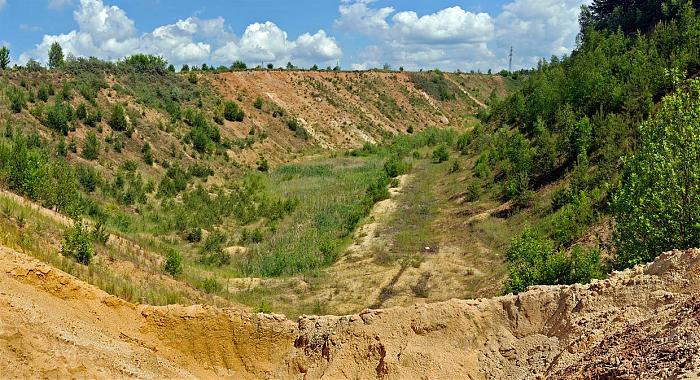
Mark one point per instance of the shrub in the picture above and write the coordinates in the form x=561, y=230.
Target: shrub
x=173, y=263
x=455, y=167
x=17, y=99
x=88, y=177
x=238, y=65
x=210, y=285
x=232, y=112
x=194, y=235
x=295, y=126
x=81, y=112
x=378, y=189
x=395, y=166
x=91, y=146
x=147, y=154
x=440, y=154
x=263, y=165
x=258, y=102
x=117, y=120
x=77, y=243
x=212, y=251
x=57, y=117
x=533, y=260
x=473, y=191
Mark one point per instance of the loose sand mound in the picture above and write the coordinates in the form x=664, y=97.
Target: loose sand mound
x=638, y=323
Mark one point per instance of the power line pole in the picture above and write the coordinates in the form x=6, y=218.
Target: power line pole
x=510, y=60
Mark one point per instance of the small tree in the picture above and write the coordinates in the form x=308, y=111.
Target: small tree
x=238, y=65
x=441, y=154
x=4, y=57
x=117, y=121
x=171, y=68
x=185, y=68
x=147, y=154
x=173, y=263
x=91, y=146
x=658, y=206
x=55, y=56
x=232, y=112
x=77, y=243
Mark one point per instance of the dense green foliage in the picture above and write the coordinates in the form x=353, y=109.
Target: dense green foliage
x=573, y=120
x=4, y=57
x=77, y=243
x=658, y=206
x=532, y=259
x=232, y=112
x=55, y=56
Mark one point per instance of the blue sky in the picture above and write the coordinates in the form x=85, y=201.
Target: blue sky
x=448, y=34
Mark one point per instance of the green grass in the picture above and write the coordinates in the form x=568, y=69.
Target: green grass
x=333, y=199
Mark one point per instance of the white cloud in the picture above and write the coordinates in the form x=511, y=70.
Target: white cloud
x=2, y=4
x=454, y=38
x=266, y=42
x=105, y=31
x=357, y=16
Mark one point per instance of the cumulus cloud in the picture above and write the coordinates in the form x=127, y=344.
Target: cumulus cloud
x=105, y=31
x=454, y=38
x=266, y=42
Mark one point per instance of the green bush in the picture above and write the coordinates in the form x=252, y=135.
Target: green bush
x=210, y=285
x=232, y=112
x=441, y=154
x=17, y=99
x=173, y=263
x=395, y=166
x=81, y=112
x=147, y=154
x=117, y=120
x=212, y=251
x=77, y=243
x=258, y=102
x=88, y=177
x=533, y=260
x=57, y=117
x=91, y=146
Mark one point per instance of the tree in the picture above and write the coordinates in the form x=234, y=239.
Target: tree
x=117, y=121
x=658, y=205
x=147, y=154
x=238, y=65
x=173, y=263
x=314, y=68
x=55, y=56
x=171, y=68
x=441, y=154
x=185, y=68
x=232, y=112
x=77, y=243
x=270, y=66
x=4, y=57
x=91, y=146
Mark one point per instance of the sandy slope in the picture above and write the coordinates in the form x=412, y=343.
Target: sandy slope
x=642, y=323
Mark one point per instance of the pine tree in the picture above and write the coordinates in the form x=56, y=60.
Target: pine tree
x=55, y=56
x=4, y=57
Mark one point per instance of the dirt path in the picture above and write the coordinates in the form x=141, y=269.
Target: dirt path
x=470, y=96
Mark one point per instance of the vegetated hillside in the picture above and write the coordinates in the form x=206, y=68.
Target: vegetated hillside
x=599, y=148
x=176, y=183
x=343, y=110
x=641, y=323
